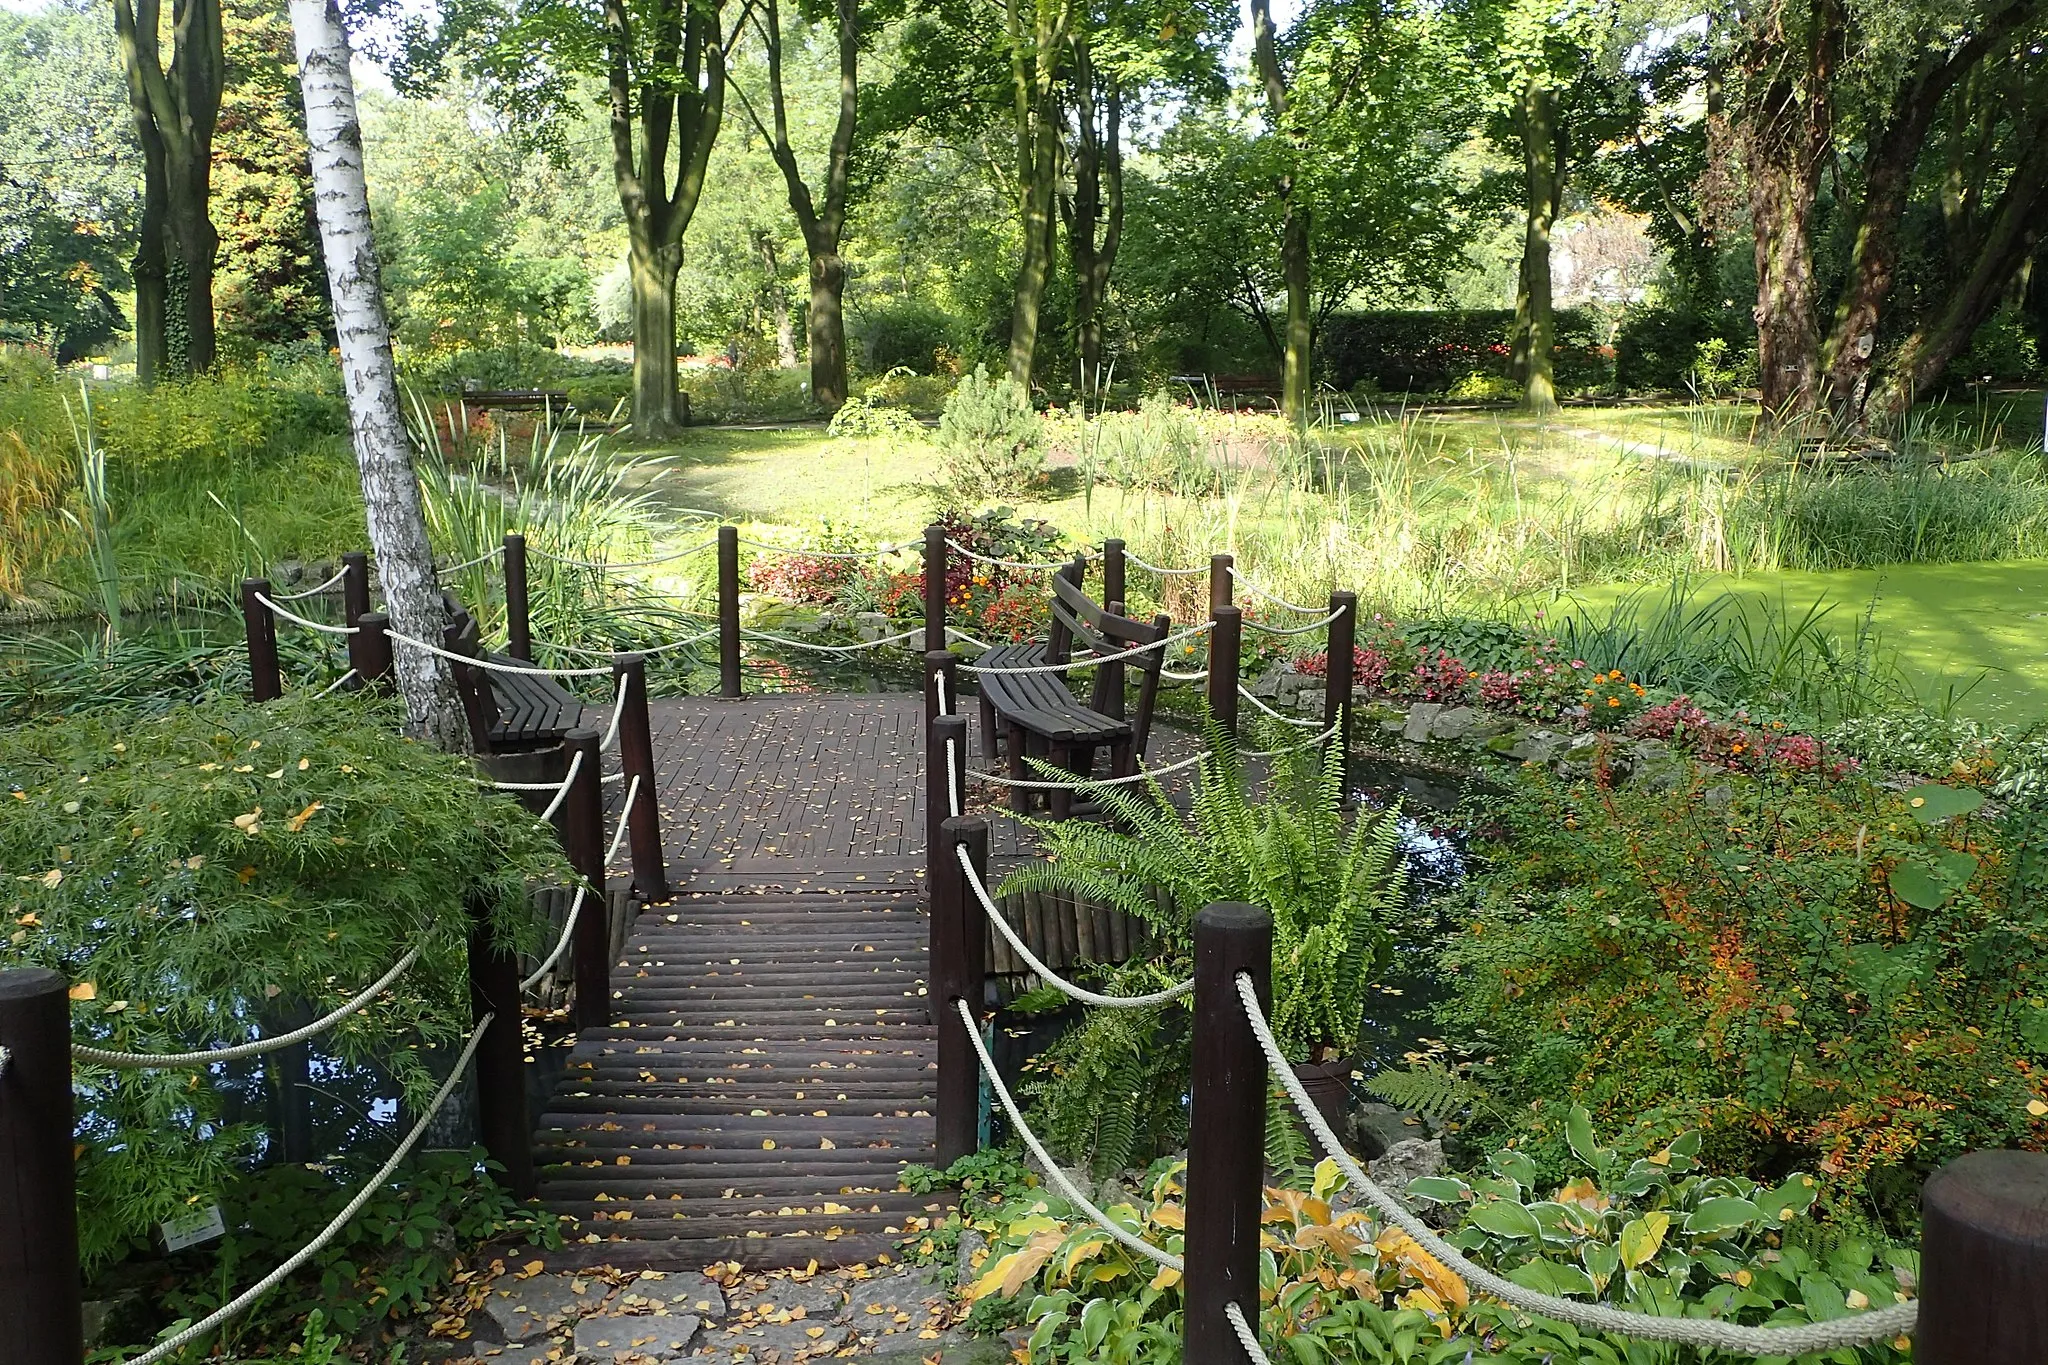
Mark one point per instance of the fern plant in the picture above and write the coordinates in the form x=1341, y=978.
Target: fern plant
x=1328, y=879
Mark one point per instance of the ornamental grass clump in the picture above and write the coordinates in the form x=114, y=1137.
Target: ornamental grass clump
x=221, y=872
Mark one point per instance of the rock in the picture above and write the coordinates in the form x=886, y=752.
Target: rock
x=1580, y=743
x=1454, y=723
x=1538, y=746
x=526, y=1308
x=1268, y=685
x=1113, y=1192
x=872, y=625
x=819, y=1297
x=683, y=1292
x=1376, y=1128
x=1408, y=1159
x=1717, y=797
x=118, y=1317
x=604, y=1339
x=971, y=1244
x=1421, y=716
x=1488, y=724
x=1291, y=686
x=912, y=1290
x=1078, y=1176
x=779, y=1343
x=289, y=574
x=955, y=1347
x=322, y=570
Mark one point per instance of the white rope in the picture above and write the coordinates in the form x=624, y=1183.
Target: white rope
x=306, y=1253
x=953, y=778
x=1091, y=660
x=1245, y=692
x=492, y=665
x=1308, y=743
x=1053, y=1172
x=611, y=734
x=151, y=1061
x=1295, y=630
x=965, y=638
x=1009, y=563
x=562, y=791
x=576, y=905
x=297, y=619
x=1162, y=572
x=1879, y=1325
x=316, y=589
x=945, y=699
x=683, y=643
x=833, y=649
x=1246, y=1337
x=875, y=553
x=335, y=686
x=489, y=554
x=1051, y=978
x=618, y=776
x=1172, y=676
x=1076, y=782
x=1257, y=591
x=625, y=808
x=600, y=564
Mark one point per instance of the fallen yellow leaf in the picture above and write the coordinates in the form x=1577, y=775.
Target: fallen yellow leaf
x=84, y=990
x=298, y=822
x=2036, y=1108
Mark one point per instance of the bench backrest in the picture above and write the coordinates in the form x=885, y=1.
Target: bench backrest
x=479, y=704
x=1106, y=630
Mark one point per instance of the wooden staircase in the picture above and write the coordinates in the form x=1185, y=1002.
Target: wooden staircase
x=769, y=1071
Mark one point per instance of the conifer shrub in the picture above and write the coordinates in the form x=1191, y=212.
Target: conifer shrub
x=991, y=441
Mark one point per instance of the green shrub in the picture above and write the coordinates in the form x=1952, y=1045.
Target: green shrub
x=1160, y=446
x=991, y=441
x=197, y=874
x=1815, y=973
x=1427, y=350
x=905, y=332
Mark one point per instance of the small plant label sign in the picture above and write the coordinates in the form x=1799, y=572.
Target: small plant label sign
x=200, y=1225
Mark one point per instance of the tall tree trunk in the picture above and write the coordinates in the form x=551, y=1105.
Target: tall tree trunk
x=1543, y=185
x=652, y=269
x=1034, y=268
x=391, y=489
x=1789, y=129
x=825, y=329
x=175, y=108
x=1294, y=270
x=775, y=296
x=1097, y=205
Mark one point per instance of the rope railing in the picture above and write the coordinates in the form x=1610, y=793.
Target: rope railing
x=1163, y=572
x=1058, y=1177
x=1092, y=660
x=606, y=565
x=1171, y=676
x=576, y=905
x=588, y=653
x=562, y=791
x=1045, y=973
x=962, y=550
x=336, y=685
x=1277, y=600
x=483, y=558
x=1315, y=625
x=952, y=776
x=240, y=1303
x=831, y=649
x=955, y=634
x=161, y=1061
x=299, y=620
x=1249, y=696
x=316, y=589
x=494, y=666
x=1246, y=1337
x=1052, y=784
x=875, y=553
x=1881, y=1324
x=611, y=734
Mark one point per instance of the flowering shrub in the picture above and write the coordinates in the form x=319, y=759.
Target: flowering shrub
x=1613, y=700
x=1437, y=676
x=801, y=578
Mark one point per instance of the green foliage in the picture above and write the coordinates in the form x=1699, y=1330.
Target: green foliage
x=991, y=442
x=203, y=874
x=1422, y=352
x=1429, y=1089
x=1807, y=970
x=1161, y=446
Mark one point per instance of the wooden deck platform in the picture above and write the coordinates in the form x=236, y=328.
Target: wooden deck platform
x=771, y=1058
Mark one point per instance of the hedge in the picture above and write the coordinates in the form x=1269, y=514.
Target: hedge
x=1427, y=351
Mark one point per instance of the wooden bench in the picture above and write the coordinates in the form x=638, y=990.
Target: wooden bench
x=1039, y=717
x=550, y=401
x=507, y=712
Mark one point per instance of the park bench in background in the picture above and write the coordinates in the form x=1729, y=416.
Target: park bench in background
x=549, y=401
x=1039, y=715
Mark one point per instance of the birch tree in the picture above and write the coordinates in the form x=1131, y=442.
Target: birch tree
x=391, y=490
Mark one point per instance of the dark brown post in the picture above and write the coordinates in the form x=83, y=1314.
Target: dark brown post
x=1984, y=1262
x=728, y=611
x=1219, y=581
x=518, y=629
x=261, y=629
x=39, y=1280
x=1113, y=571
x=1224, y=646
x=959, y=952
x=1337, y=676
x=941, y=685
x=636, y=754
x=935, y=586
x=583, y=840
x=938, y=794
x=373, y=646
x=500, y=1056
x=355, y=603
x=1226, y=1131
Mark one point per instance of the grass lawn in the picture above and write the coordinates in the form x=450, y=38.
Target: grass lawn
x=1980, y=629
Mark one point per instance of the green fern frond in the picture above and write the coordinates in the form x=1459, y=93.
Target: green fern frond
x=1433, y=1091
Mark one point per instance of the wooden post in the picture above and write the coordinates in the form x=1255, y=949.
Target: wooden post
x=518, y=629
x=636, y=753
x=373, y=643
x=1984, y=1262
x=728, y=611
x=583, y=839
x=355, y=604
x=959, y=953
x=1113, y=571
x=1225, y=643
x=1226, y=1131
x=501, y=1056
x=941, y=683
x=935, y=586
x=1337, y=676
x=261, y=629
x=1219, y=581
x=39, y=1279
x=938, y=804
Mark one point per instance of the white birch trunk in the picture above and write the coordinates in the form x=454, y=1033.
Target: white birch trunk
x=391, y=491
